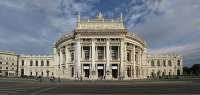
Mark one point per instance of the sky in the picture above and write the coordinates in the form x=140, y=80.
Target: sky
x=168, y=26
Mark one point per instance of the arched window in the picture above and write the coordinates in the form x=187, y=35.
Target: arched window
x=158, y=73
x=169, y=63
x=152, y=63
x=178, y=63
x=36, y=63
x=47, y=62
x=42, y=63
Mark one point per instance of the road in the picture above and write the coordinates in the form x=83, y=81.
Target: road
x=33, y=87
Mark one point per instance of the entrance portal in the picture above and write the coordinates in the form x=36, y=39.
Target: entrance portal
x=86, y=70
x=100, y=70
x=87, y=73
x=100, y=73
x=114, y=71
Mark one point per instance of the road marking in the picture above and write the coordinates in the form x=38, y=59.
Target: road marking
x=43, y=90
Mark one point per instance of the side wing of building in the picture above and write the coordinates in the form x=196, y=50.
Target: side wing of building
x=8, y=64
x=164, y=65
x=31, y=65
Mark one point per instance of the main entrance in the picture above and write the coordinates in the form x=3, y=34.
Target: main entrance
x=114, y=70
x=86, y=70
x=100, y=70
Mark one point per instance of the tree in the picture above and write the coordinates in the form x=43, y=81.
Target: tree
x=186, y=70
x=195, y=69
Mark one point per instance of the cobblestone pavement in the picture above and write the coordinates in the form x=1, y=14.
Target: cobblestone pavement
x=33, y=87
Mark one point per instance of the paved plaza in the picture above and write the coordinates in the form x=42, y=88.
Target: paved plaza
x=35, y=87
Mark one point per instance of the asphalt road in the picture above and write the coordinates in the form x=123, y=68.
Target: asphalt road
x=32, y=87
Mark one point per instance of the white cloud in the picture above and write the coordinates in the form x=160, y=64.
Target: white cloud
x=174, y=30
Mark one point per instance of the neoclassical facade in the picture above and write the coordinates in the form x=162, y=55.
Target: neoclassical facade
x=103, y=49
x=98, y=49
x=8, y=64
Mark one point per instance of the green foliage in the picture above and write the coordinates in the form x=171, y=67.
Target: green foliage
x=194, y=70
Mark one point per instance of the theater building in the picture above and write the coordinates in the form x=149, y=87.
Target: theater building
x=97, y=49
x=101, y=48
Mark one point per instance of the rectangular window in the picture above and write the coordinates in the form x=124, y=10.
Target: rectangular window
x=158, y=63
x=114, y=53
x=87, y=55
x=22, y=62
x=31, y=63
x=129, y=56
x=100, y=52
x=72, y=56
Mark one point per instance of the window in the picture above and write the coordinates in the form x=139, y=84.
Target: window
x=47, y=62
x=6, y=68
x=31, y=63
x=72, y=56
x=164, y=63
x=42, y=63
x=158, y=63
x=129, y=56
x=152, y=62
x=6, y=63
x=100, y=51
x=178, y=63
x=136, y=56
x=36, y=63
x=86, y=52
x=0, y=63
x=0, y=71
x=13, y=64
x=22, y=62
x=0, y=67
x=114, y=52
x=31, y=73
x=12, y=68
x=169, y=63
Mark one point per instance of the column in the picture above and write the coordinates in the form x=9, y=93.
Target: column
x=55, y=63
x=104, y=53
x=134, y=69
x=67, y=54
x=108, y=71
x=140, y=63
x=93, y=70
x=122, y=70
x=61, y=64
x=82, y=54
x=78, y=65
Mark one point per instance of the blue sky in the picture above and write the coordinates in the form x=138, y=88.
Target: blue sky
x=169, y=26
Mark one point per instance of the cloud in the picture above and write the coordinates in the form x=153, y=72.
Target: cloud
x=168, y=26
x=31, y=26
x=172, y=26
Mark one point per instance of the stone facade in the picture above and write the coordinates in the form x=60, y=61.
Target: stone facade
x=8, y=64
x=161, y=65
x=99, y=49
x=32, y=65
